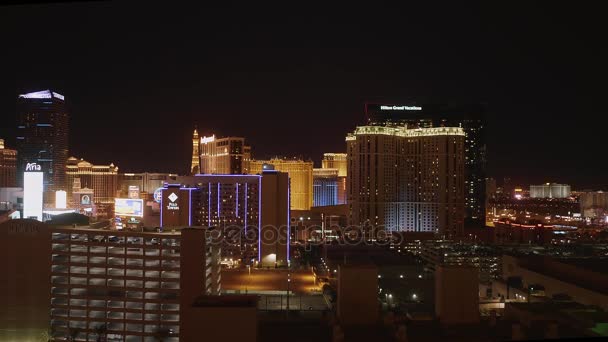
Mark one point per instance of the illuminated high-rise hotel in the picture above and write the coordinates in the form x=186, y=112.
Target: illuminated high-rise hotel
x=42, y=138
x=300, y=178
x=223, y=156
x=195, y=166
x=470, y=118
x=409, y=180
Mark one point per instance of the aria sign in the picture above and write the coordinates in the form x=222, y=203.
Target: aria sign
x=400, y=108
x=33, y=167
x=172, y=205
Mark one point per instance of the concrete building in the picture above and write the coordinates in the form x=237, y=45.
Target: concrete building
x=211, y=318
x=403, y=179
x=274, y=238
x=8, y=166
x=451, y=253
x=300, y=178
x=130, y=285
x=593, y=202
x=550, y=190
x=42, y=138
x=582, y=279
x=325, y=187
x=102, y=179
x=357, y=294
x=457, y=294
x=223, y=155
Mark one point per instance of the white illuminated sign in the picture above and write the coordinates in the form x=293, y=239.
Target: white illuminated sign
x=400, y=108
x=205, y=140
x=33, y=188
x=172, y=205
x=60, y=199
x=59, y=96
x=32, y=167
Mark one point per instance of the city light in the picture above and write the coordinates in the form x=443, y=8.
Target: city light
x=60, y=199
x=33, y=189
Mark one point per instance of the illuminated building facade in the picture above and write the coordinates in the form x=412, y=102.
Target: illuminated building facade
x=300, y=178
x=102, y=179
x=147, y=182
x=550, y=190
x=195, y=166
x=237, y=204
x=337, y=161
x=593, y=202
x=471, y=118
x=224, y=156
x=325, y=187
x=42, y=138
x=409, y=180
x=8, y=166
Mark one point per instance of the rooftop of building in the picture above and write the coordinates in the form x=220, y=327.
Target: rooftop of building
x=42, y=94
x=150, y=231
x=405, y=132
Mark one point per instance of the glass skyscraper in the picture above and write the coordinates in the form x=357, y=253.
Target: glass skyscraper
x=42, y=138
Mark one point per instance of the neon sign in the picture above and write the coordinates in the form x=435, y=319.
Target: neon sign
x=400, y=108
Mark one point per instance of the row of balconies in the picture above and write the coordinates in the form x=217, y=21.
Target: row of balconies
x=113, y=272
x=60, y=280
x=101, y=292
x=114, y=305
x=153, y=262
x=130, y=252
x=112, y=315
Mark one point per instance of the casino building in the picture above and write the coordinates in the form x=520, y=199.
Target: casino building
x=471, y=118
x=243, y=207
x=408, y=180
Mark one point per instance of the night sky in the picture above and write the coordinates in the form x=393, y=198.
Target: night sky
x=294, y=80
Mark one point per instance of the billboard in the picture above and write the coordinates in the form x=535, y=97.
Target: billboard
x=85, y=199
x=33, y=188
x=129, y=207
x=133, y=191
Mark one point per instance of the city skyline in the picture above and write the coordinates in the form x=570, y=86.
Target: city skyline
x=234, y=82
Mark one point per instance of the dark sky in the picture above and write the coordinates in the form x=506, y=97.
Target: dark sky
x=293, y=80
